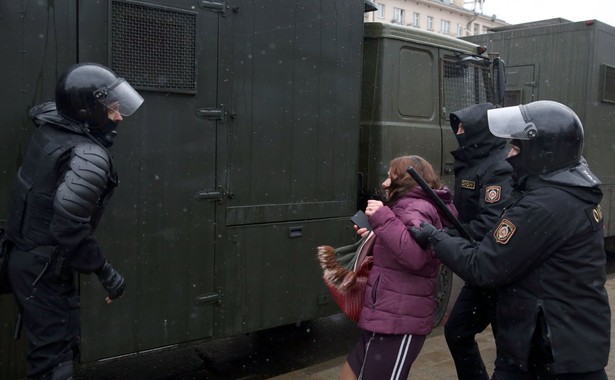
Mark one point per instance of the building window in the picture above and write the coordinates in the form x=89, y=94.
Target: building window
x=429, y=23
x=459, y=30
x=445, y=27
x=380, y=11
x=416, y=19
x=398, y=16
x=485, y=29
x=476, y=29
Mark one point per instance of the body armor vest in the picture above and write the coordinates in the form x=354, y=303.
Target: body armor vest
x=31, y=208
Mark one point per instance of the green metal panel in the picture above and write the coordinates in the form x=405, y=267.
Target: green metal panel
x=418, y=36
x=291, y=80
x=159, y=231
x=417, y=91
x=275, y=276
x=37, y=41
x=293, y=143
x=244, y=155
x=408, y=122
x=600, y=112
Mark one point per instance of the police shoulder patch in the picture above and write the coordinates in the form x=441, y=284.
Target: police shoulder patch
x=504, y=231
x=493, y=194
x=467, y=184
x=595, y=217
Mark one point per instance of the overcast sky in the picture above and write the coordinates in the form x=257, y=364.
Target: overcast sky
x=518, y=11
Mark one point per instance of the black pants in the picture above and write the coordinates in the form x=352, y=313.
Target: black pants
x=49, y=304
x=540, y=359
x=503, y=375
x=474, y=310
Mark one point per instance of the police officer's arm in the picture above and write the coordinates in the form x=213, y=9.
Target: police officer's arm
x=495, y=190
x=522, y=239
x=85, y=179
x=82, y=184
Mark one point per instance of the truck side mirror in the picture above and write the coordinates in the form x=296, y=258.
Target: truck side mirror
x=499, y=84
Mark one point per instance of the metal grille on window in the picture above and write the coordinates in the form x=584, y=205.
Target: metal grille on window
x=154, y=48
x=464, y=85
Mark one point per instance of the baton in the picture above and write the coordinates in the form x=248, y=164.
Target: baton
x=440, y=204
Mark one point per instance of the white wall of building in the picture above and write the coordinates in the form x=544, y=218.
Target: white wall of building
x=447, y=17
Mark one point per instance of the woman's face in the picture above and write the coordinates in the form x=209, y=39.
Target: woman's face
x=387, y=183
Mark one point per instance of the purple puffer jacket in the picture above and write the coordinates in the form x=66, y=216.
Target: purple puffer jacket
x=399, y=298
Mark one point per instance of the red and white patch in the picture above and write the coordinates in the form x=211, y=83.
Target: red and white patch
x=504, y=232
x=493, y=194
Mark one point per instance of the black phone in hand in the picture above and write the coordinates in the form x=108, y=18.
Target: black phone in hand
x=361, y=220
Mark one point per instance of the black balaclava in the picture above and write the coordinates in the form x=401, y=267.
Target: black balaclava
x=519, y=170
x=105, y=135
x=476, y=141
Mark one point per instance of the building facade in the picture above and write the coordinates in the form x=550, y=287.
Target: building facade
x=448, y=17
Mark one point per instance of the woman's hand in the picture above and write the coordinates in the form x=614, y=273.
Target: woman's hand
x=361, y=231
x=372, y=207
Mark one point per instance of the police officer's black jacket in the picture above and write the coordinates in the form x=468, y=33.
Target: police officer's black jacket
x=34, y=220
x=483, y=179
x=546, y=254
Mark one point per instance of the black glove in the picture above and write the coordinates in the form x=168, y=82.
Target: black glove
x=423, y=236
x=451, y=231
x=111, y=280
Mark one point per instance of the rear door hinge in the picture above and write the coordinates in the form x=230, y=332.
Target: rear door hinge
x=213, y=6
x=215, y=195
x=207, y=299
x=211, y=113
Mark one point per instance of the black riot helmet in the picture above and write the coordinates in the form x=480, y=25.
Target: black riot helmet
x=86, y=91
x=550, y=134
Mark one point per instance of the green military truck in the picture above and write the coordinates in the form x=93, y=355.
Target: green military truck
x=572, y=63
x=412, y=80
x=264, y=126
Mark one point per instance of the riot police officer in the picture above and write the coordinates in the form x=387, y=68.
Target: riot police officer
x=65, y=181
x=483, y=183
x=546, y=254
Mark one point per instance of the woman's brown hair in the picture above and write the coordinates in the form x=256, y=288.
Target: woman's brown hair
x=402, y=182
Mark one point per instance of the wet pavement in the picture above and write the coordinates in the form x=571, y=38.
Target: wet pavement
x=313, y=350
x=254, y=356
x=435, y=362
x=289, y=353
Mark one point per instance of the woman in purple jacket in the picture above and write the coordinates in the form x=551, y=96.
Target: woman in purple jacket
x=398, y=310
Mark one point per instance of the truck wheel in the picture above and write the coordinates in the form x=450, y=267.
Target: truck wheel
x=443, y=293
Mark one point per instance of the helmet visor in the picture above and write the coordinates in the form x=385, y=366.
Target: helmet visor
x=121, y=97
x=510, y=123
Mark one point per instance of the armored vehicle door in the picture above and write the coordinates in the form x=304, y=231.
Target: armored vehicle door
x=159, y=229
x=521, y=84
x=292, y=105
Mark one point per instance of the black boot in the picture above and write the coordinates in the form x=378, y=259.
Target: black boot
x=63, y=371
